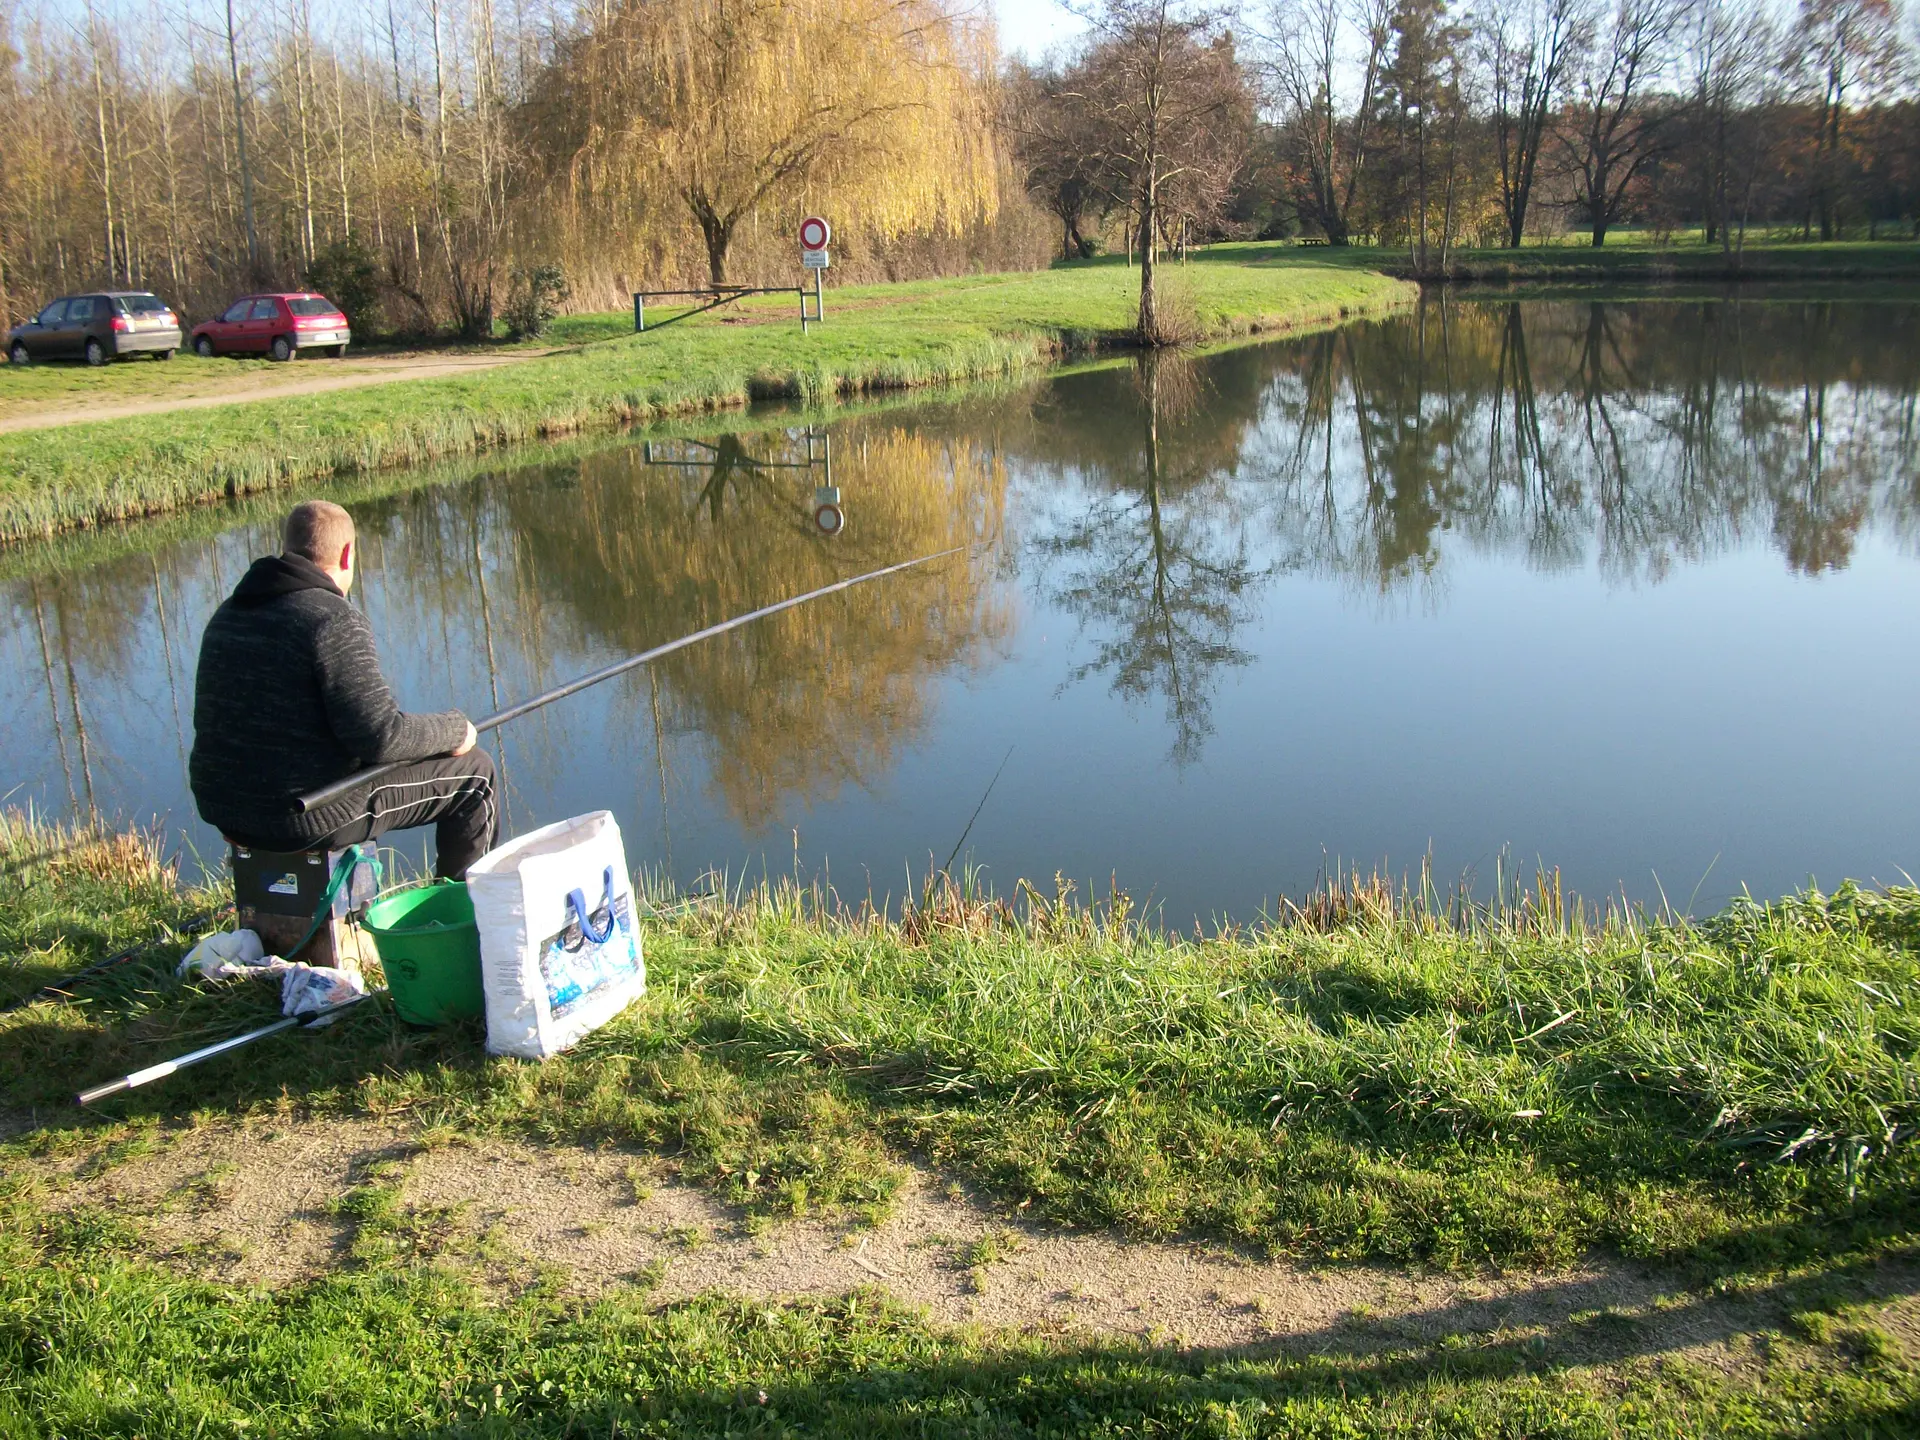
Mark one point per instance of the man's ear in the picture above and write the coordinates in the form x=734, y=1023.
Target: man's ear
x=346, y=557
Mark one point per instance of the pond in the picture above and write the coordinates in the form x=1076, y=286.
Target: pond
x=1621, y=587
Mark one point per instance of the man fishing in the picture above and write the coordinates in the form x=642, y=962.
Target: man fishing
x=289, y=697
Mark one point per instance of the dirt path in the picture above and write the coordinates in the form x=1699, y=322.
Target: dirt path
x=253, y=1204
x=301, y=378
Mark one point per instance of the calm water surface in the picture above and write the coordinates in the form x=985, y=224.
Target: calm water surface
x=1625, y=588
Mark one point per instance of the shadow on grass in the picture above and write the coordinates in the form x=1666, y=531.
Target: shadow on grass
x=727, y=1098
x=863, y=1366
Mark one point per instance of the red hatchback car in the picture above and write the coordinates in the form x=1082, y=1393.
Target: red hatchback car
x=276, y=325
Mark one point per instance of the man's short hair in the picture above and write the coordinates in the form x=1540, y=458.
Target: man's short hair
x=319, y=530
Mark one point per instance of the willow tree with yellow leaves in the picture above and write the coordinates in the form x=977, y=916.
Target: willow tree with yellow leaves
x=874, y=109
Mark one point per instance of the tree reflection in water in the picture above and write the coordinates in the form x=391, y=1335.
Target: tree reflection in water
x=1631, y=436
x=1635, y=435
x=1155, y=566
x=812, y=700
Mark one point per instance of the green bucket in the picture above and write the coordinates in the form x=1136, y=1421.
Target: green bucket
x=430, y=949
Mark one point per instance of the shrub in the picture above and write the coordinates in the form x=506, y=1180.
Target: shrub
x=534, y=301
x=346, y=274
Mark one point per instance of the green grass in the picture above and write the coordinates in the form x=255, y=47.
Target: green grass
x=1731, y=1097
x=1627, y=258
x=56, y=386
x=875, y=338
x=62, y=385
x=1375, y=1085
x=93, y=1342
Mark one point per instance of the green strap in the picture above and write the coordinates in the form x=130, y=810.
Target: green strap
x=350, y=859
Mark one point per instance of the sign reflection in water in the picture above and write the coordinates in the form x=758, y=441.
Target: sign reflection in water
x=1620, y=586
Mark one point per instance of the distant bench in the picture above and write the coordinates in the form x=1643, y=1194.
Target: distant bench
x=1308, y=240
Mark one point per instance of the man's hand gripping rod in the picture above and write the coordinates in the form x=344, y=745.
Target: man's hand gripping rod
x=314, y=799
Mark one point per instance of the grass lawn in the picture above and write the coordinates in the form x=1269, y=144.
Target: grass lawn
x=54, y=385
x=1729, y=1099
x=875, y=337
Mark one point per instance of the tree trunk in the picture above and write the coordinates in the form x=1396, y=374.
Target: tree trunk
x=240, y=132
x=1149, y=301
x=106, y=158
x=719, y=235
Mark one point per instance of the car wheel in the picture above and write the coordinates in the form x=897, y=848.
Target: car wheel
x=282, y=348
x=203, y=347
x=337, y=351
x=18, y=354
x=96, y=353
x=163, y=355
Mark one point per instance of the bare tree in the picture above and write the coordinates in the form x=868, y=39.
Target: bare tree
x=1730, y=52
x=1055, y=138
x=1525, y=47
x=1617, y=124
x=1837, y=48
x=240, y=126
x=1306, y=41
x=1165, y=90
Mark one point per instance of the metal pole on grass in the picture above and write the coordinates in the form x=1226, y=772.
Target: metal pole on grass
x=207, y=1052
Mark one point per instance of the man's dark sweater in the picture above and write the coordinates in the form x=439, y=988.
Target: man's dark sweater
x=289, y=696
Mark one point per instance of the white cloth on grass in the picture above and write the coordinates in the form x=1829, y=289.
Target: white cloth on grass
x=229, y=953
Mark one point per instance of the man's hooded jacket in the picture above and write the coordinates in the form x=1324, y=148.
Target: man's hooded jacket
x=289, y=697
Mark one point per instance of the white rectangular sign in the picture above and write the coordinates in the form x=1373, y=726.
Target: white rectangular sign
x=816, y=260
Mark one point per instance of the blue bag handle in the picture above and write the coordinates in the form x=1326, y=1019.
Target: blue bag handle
x=577, y=903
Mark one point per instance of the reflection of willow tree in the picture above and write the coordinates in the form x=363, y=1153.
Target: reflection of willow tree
x=812, y=699
x=1646, y=433
x=1158, y=570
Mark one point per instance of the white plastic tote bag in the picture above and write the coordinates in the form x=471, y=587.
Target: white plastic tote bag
x=559, y=945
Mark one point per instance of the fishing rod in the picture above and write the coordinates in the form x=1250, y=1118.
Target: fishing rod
x=316, y=798
x=219, y=1047
x=61, y=989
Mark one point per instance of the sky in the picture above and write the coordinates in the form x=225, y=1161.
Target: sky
x=1029, y=27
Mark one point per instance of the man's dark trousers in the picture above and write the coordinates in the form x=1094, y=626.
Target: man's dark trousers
x=453, y=793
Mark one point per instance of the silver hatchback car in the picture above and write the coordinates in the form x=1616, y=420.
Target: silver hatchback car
x=97, y=328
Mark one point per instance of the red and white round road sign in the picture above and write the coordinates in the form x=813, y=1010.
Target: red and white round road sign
x=815, y=233
x=829, y=518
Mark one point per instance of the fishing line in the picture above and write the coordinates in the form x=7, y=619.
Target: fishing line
x=316, y=798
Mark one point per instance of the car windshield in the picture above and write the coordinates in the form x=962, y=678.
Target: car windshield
x=143, y=304
x=313, y=306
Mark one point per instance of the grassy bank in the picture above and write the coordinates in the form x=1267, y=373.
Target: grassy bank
x=1628, y=259
x=876, y=338
x=79, y=549
x=1730, y=1098
x=1379, y=1085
